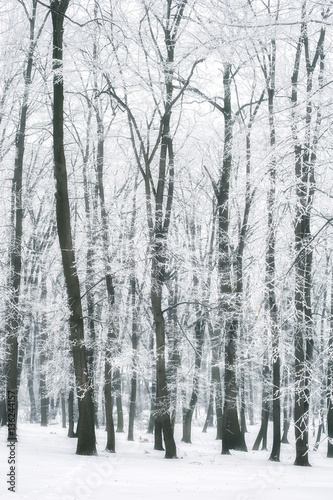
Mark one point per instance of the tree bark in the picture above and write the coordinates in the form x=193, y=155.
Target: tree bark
x=232, y=437
x=12, y=315
x=134, y=339
x=199, y=337
x=262, y=434
x=270, y=261
x=86, y=431
x=63, y=411
x=329, y=391
x=304, y=158
x=71, y=433
x=209, y=417
x=111, y=440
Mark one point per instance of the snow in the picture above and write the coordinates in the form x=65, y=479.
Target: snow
x=47, y=468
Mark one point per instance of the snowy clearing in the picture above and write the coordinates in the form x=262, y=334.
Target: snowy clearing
x=47, y=467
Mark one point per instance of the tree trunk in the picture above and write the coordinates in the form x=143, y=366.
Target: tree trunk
x=111, y=440
x=134, y=339
x=216, y=379
x=158, y=436
x=304, y=158
x=90, y=213
x=329, y=391
x=71, y=433
x=286, y=409
x=162, y=397
x=270, y=262
x=12, y=313
x=3, y=413
x=209, y=417
x=63, y=411
x=30, y=383
x=199, y=337
x=119, y=402
x=86, y=444
x=262, y=434
x=232, y=437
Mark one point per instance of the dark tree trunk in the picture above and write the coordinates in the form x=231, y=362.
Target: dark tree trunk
x=134, y=338
x=44, y=410
x=161, y=196
x=119, y=401
x=86, y=444
x=251, y=398
x=110, y=289
x=305, y=159
x=44, y=399
x=90, y=212
x=174, y=357
x=329, y=391
x=216, y=381
x=270, y=266
x=162, y=397
x=330, y=427
x=286, y=408
x=209, y=422
x=232, y=437
x=243, y=412
x=30, y=381
x=63, y=411
x=286, y=426
x=158, y=437
x=3, y=413
x=151, y=422
x=262, y=434
x=199, y=337
x=12, y=316
x=216, y=386
x=130, y=436
x=71, y=433
x=111, y=440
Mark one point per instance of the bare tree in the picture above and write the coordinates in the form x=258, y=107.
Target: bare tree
x=305, y=155
x=86, y=430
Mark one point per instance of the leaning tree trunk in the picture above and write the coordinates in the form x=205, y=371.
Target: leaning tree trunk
x=262, y=434
x=86, y=444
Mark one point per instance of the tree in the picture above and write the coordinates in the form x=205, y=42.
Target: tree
x=159, y=197
x=232, y=437
x=86, y=431
x=329, y=392
x=13, y=318
x=305, y=155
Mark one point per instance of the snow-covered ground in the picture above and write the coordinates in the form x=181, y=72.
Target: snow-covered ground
x=47, y=468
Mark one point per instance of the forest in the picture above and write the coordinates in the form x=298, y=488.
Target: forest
x=166, y=220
